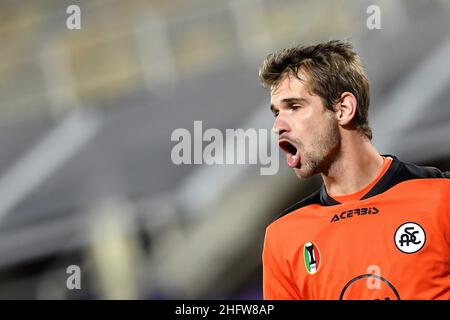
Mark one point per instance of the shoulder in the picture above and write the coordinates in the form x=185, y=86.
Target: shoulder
x=420, y=176
x=289, y=224
x=412, y=171
x=313, y=198
x=284, y=216
x=401, y=171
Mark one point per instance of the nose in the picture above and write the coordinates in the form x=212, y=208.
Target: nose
x=280, y=125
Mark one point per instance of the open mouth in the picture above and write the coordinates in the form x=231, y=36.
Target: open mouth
x=293, y=158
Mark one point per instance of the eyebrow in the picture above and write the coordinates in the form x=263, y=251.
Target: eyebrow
x=289, y=100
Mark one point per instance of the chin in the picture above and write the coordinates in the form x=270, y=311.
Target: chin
x=303, y=174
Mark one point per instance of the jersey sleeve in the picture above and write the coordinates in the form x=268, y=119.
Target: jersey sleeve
x=277, y=284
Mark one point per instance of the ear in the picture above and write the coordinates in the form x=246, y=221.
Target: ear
x=346, y=108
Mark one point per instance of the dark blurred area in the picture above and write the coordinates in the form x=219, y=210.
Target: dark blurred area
x=86, y=176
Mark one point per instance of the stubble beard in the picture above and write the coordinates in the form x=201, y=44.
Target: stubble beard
x=323, y=154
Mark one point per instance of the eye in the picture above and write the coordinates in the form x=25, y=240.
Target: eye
x=295, y=106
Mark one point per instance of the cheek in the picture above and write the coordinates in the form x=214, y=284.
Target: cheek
x=314, y=135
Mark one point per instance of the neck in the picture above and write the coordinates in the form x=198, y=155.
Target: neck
x=357, y=164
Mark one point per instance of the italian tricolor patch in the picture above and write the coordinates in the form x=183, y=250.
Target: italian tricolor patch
x=312, y=257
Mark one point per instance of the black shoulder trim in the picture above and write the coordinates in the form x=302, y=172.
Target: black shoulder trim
x=402, y=171
x=313, y=198
x=412, y=171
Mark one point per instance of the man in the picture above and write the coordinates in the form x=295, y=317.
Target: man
x=378, y=228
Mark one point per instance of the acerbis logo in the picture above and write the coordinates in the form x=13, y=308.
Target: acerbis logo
x=354, y=212
x=409, y=237
x=311, y=257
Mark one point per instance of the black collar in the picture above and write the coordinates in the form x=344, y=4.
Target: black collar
x=382, y=185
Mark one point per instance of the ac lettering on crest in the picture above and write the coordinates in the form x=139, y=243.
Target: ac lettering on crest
x=409, y=237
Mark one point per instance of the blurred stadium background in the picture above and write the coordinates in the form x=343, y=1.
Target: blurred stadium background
x=86, y=118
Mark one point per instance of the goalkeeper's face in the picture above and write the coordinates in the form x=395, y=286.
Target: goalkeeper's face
x=308, y=132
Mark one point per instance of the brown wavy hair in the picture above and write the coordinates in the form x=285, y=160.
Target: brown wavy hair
x=331, y=67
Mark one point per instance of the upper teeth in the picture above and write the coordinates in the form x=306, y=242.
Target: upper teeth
x=293, y=158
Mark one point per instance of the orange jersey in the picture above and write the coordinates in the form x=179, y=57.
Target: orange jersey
x=391, y=240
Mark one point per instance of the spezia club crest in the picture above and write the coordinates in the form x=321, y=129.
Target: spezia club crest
x=410, y=237
x=312, y=257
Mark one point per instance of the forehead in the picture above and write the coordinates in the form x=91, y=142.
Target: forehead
x=290, y=85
